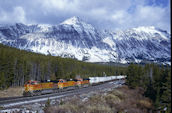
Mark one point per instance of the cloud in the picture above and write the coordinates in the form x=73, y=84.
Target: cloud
x=103, y=14
x=17, y=15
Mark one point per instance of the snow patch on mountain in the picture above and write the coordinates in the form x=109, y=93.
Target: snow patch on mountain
x=44, y=27
x=72, y=21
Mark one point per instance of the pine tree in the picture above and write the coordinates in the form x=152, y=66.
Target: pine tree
x=166, y=96
x=2, y=80
x=132, y=76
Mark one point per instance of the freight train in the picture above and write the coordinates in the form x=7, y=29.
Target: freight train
x=32, y=88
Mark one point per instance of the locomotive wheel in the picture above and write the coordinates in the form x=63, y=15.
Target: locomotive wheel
x=39, y=93
x=31, y=94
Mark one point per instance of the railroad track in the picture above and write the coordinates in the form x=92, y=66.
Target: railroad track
x=17, y=101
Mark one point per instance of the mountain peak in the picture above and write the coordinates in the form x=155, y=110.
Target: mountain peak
x=79, y=24
x=72, y=21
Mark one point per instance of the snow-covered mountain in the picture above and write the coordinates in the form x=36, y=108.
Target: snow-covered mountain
x=76, y=39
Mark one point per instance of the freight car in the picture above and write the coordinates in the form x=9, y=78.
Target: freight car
x=32, y=87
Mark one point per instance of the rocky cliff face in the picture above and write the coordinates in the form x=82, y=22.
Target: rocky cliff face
x=76, y=39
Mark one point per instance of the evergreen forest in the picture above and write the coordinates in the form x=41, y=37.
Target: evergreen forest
x=155, y=82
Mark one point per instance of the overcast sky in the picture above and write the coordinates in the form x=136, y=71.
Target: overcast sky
x=103, y=14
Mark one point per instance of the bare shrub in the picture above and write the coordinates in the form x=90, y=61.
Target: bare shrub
x=121, y=100
x=145, y=103
x=65, y=108
x=56, y=110
x=111, y=100
x=98, y=109
x=134, y=110
x=94, y=100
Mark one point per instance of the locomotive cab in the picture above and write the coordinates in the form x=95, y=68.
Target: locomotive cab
x=29, y=87
x=61, y=83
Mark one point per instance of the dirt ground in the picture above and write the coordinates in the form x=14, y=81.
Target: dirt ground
x=11, y=92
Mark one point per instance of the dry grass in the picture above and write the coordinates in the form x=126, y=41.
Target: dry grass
x=121, y=100
x=11, y=92
x=98, y=109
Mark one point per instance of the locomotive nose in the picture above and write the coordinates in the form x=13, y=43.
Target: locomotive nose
x=26, y=87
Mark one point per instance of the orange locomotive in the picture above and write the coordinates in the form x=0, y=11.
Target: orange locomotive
x=32, y=88
x=82, y=82
x=62, y=84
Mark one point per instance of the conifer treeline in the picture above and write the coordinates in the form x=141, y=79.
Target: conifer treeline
x=18, y=66
x=155, y=81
